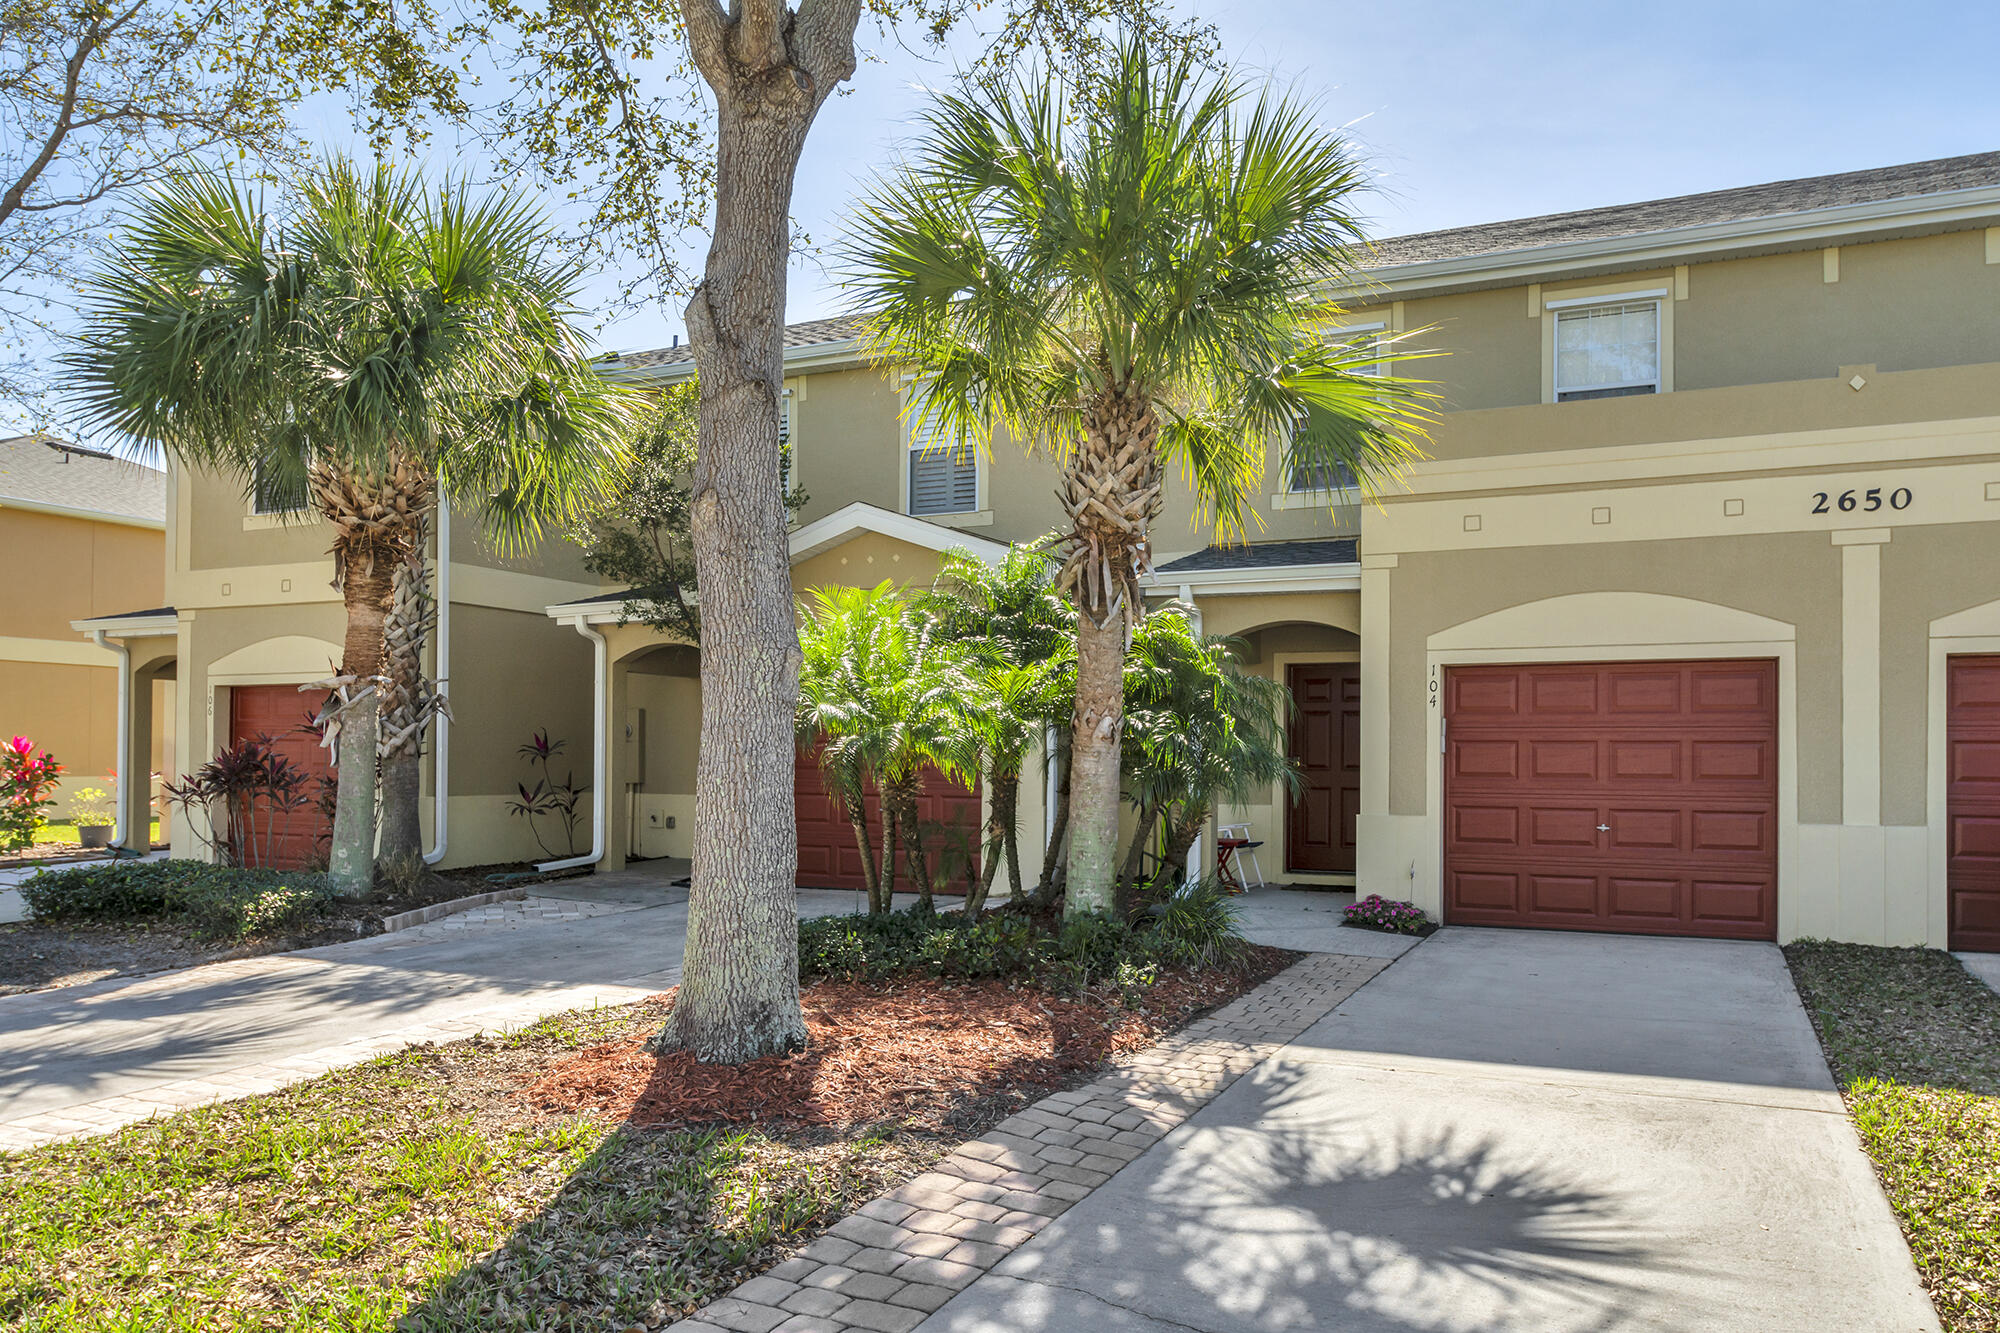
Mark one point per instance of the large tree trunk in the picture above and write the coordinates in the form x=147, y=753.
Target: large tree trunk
x=351, y=857
x=1093, y=764
x=770, y=72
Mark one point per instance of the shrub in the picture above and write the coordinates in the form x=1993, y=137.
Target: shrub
x=1386, y=914
x=1082, y=951
x=1198, y=926
x=214, y=902
x=28, y=779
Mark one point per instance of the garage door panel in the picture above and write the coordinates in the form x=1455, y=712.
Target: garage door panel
x=1644, y=830
x=1735, y=902
x=1563, y=760
x=1974, y=761
x=1645, y=797
x=1563, y=895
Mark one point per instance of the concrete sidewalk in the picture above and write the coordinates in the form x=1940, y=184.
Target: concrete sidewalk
x=1506, y=1131
x=88, y=1058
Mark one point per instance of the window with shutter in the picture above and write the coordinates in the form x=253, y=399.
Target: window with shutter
x=944, y=479
x=271, y=494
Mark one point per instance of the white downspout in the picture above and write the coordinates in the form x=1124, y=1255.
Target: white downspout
x=600, y=730
x=441, y=724
x=124, y=748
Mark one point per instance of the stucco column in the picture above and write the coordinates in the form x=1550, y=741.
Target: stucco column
x=135, y=789
x=1375, y=572
x=1861, y=674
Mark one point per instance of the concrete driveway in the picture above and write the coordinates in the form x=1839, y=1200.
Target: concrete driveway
x=1507, y=1130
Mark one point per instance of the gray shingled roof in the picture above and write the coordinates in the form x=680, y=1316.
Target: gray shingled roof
x=808, y=333
x=1689, y=210
x=43, y=470
x=1266, y=555
x=1910, y=180
x=148, y=614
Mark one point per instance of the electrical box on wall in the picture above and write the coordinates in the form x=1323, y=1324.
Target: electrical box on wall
x=635, y=745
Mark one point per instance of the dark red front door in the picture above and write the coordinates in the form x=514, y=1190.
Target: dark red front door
x=829, y=858
x=283, y=714
x=1326, y=742
x=1972, y=801
x=1628, y=796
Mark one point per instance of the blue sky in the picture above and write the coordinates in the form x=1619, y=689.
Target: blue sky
x=1475, y=111
x=1472, y=112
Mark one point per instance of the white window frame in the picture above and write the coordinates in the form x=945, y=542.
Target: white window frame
x=1554, y=305
x=980, y=515
x=1291, y=495
x=788, y=437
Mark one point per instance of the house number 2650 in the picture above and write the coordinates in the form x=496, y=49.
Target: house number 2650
x=1867, y=502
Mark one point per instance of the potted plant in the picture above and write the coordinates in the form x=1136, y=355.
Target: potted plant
x=94, y=817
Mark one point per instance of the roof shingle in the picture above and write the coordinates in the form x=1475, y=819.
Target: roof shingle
x=1266, y=555
x=40, y=469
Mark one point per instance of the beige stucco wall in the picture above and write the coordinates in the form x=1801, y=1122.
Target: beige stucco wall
x=1927, y=573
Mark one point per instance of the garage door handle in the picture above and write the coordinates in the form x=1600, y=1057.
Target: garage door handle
x=1604, y=828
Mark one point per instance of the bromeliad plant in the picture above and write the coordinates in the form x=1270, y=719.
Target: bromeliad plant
x=549, y=798
x=28, y=780
x=243, y=796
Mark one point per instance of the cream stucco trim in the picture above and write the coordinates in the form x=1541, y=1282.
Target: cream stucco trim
x=1973, y=631
x=511, y=589
x=1611, y=627
x=1861, y=675
x=54, y=652
x=88, y=515
x=1375, y=641
x=284, y=659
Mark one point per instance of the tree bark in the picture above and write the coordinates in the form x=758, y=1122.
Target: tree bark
x=399, y=855
x=351, y=857
x=770, y=71
x=857, y=816
x=1093, y=763
x=1135, y=859
x=1180, y=839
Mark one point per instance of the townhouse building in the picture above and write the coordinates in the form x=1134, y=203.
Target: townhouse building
x=1688, y=624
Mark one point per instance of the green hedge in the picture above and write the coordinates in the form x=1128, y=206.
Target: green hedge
x=215, y=902
x=1196, y=929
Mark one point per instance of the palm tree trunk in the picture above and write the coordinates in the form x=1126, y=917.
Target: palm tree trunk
x=857, y=817
x=1135, y=856
x=903, y=794
x=1094, y=763
x=887, y=877
x=405, y=703
x=1000, y=840
x=1180, y=839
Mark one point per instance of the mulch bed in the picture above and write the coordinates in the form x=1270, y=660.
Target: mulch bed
x=898, y=1050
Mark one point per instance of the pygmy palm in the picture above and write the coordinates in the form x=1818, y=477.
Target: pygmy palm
x=375, y=342
x=1129, y=279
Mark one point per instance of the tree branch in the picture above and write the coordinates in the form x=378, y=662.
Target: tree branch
x=87, y=42
x=823, y=43
x=707, y=29
x=757, y=41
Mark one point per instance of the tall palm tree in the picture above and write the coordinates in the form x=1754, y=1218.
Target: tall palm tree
x=881, y=692
x=374, y=343
x=1135, y=277
x=1199, y=730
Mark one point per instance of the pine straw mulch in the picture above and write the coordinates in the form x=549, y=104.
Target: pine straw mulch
x=901, y=1050
x=495, y=1183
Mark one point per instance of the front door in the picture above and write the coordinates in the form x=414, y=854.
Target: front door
x=1326, y=742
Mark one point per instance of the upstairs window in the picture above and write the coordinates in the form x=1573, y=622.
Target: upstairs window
x=1308, y=479
x=785, y=468
x=1607, y=351
x=272, y=494
x=944, y=477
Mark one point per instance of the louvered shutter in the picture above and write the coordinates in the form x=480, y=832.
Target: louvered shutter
x=943, y=480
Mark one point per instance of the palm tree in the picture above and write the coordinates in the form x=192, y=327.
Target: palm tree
x=1019, y=638
x=881, y=692
x=375, y=344
x=1199, y=730
x=1137, y=277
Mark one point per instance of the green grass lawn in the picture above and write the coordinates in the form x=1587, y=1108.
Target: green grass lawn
x=67, y=832
x=415, y=1189
x=1914, y=1043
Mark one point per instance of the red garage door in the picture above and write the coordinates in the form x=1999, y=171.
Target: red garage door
x=829, y=859
x=1972, y=801
x=1631, y=796
x=283, y=714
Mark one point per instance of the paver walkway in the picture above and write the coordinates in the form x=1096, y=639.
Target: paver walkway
x=90, y=1058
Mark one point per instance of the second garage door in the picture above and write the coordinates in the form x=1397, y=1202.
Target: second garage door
x=1631, y=796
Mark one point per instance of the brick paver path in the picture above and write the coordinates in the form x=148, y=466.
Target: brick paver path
x=901, y=1256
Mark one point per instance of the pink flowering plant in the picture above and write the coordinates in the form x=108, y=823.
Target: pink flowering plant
x=1386, y=914
x=28, y=779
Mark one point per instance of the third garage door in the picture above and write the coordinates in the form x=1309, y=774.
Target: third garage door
x=1629, y=796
